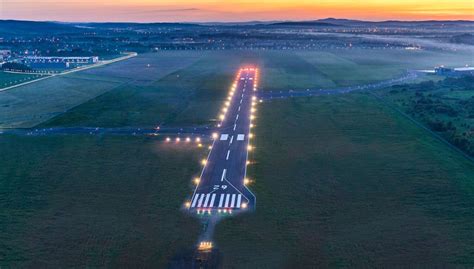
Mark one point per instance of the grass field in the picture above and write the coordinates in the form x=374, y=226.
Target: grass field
x=341, y=181
x=337, y=68
x=32, y=104
x=188, y=96
x=79, y=201
x=345, y=182
x=10, y=79
x=193, y=91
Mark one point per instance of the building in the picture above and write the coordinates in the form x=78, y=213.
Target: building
x=58, y=62
x=461, y=71
x=5, y=54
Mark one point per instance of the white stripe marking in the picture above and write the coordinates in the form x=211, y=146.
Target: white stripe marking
x=228, y=152
x=239, y=199
x=196, y=197
x=232, y=202
x=200, y=200
x=237, y=117
x=221, y=200
x=226, y=204
x=231, y=139
x=213, y=197
x=224, y=136
x=239, y=108
x=240, y=137
x=223, y=174
x=241, y=101
x=235, y=126
x=207, y=199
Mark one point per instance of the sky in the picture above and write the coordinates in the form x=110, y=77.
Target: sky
x=233, y=10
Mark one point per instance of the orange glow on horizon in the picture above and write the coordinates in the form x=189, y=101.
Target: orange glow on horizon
x=233, y=10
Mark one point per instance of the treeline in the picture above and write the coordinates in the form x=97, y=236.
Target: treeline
x=446, y=107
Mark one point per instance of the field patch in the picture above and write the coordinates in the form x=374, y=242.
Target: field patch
x=10, y=79
x=32, y=104
x=346, y=182
x=189, y=96
x=82, y=201
x=145, y=68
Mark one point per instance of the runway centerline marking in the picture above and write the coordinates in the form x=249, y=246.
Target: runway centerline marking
x=231, y=139
x=223, y=174
x=228, y=152
x=238, y=109
x=235, y=126
x=237, y=117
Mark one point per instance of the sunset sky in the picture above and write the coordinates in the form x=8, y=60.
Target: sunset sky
x=233, y=10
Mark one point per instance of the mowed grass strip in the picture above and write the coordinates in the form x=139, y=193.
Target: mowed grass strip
x=345, y=182
x=189, y=96
x=80, y=201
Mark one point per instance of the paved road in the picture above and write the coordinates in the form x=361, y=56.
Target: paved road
x=221, y=188
x=410, y=75
x=197, y=131
x=82, y=68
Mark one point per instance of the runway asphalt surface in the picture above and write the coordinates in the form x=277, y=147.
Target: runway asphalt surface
x=221, y=187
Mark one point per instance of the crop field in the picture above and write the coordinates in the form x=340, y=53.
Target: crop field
x=80, y=201
x=346, y=182
x=10, y=79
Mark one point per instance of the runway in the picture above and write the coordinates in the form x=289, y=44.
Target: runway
x=221, y=188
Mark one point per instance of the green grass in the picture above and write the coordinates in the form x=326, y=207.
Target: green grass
x=189, y=96
x=340, y=181
x=10, y=79
x=32, y=104
x=446, y=107
x=345, y=182
x=186, y=87
x=337, y=68
x=80, y=201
